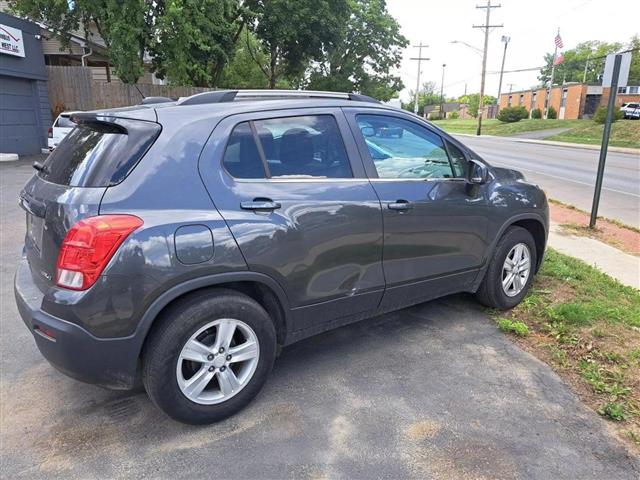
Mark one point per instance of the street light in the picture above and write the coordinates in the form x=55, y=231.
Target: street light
x=442, y=93
x=475, y=49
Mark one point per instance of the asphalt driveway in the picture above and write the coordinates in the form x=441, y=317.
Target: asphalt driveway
x=434, y=391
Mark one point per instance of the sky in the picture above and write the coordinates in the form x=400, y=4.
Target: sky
x=532, y=26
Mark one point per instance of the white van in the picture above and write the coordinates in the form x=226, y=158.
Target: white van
x=60, y=128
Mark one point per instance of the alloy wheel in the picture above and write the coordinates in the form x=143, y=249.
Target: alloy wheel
x=516, y=269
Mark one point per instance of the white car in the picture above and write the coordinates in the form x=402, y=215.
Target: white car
x=60, y=128
x=631, y=110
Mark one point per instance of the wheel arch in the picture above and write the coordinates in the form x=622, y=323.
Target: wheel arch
x=262, y=288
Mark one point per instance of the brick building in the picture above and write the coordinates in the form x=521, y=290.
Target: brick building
x=571, y=100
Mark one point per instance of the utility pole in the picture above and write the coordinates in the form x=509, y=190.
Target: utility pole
x=487, y=25
x=419, y=58
x=553, y=72
x=442, y=92
x=505, y=40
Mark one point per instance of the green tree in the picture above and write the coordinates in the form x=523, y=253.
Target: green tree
x=473, y=102
x=195, y=39
x=426, y=96
x=294, y=32
x=124, y=25
x=572, y=68
x=368, y=48
x=243, y=71
x=634, y=69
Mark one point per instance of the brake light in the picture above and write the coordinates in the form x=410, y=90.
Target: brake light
x=88, y=247
x=50, y=134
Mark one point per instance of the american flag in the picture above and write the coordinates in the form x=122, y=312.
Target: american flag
x=558, y=41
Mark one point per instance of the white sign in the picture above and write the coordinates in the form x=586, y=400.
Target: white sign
x=11, y=41
x=625, y=64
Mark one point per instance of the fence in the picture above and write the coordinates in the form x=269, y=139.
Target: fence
x=73, y=88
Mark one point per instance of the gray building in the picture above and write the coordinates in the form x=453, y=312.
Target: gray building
x=25, y=115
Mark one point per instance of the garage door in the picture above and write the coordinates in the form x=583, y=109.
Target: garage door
x=19, y=131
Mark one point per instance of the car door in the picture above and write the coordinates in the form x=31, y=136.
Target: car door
x=435, y=224
x=292, y=188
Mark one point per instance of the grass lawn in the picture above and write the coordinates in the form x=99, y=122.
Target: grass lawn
x=587, y=327
x=625, y=133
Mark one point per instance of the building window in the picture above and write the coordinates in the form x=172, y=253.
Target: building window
x=510, y=100
x=563, y=100
x=534, y=97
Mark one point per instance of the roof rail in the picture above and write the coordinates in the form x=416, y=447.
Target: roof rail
x=224, y=96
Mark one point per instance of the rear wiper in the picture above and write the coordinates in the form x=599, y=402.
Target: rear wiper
x=40, y=167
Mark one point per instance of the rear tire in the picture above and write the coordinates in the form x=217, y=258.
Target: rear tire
x=515, y=242
x=203, y=383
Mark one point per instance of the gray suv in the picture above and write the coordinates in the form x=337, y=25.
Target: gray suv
x=180, y=244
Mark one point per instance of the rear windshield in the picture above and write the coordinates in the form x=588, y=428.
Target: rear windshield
x=64, y=122
x=99, y=154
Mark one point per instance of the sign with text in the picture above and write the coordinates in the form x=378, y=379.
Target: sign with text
x=11, y=41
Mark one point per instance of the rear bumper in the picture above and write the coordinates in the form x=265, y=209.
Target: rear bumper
x=109, y=362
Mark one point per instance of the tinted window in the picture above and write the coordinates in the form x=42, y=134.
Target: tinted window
x=458, y=160
x=402, y=149
x=309, y=146
x=241, y=158
x=99, y=154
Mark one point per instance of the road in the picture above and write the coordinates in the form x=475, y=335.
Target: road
x=568, y=173
x=434, y=391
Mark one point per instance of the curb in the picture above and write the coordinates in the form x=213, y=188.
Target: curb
x=585, y=146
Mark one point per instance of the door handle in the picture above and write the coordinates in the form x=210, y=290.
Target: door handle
x=264, y=204
x=401, y=205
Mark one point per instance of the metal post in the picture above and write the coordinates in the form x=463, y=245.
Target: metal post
x=586, y=67
x=605, y=140
x=442, y=92
x=553, y=71
x=505, y=39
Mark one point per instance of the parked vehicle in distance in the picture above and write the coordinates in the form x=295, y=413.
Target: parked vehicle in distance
x=60, y=129
x=182, y=243
x=631, y=110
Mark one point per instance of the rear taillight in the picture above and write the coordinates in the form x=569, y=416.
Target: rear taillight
x=50, y=133
x=89, y=246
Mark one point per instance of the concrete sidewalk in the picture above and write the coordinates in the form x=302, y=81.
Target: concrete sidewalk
x=617, y=264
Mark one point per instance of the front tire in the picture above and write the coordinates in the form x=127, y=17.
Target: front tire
x=510, y=272
x=208, y=356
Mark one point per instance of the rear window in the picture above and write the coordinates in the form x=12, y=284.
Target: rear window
x=64, y=122
x=99, y=154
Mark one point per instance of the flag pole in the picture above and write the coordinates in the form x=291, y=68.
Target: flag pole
x=553, y=71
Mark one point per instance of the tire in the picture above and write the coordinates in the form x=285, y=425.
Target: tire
x=491, y=292
x=164, y=364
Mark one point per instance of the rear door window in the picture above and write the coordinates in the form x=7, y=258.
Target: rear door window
x=303, y=146
x=99, y=154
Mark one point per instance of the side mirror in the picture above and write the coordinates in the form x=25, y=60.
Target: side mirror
x=477, y=173
x=368, y=132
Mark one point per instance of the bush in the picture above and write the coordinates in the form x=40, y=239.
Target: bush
x=536, y=113
x=454, y=115
x=512, y=114
x=601, y=114
x=552, y=114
